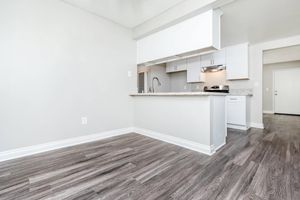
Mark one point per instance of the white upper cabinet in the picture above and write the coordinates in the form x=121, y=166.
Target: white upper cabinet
x=206, y=60
x=176, y=66
x=219, y=57
x=216, y=58
x=192, y=36
x=194, y=74
x=237, y=61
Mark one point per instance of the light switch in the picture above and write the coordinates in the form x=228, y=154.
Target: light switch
x=84, y=120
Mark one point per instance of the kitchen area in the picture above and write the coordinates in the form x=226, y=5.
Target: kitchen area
x=189, y=89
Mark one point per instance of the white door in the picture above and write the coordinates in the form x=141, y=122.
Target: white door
x=287, y=91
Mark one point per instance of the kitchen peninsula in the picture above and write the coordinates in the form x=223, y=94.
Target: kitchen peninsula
x=194, y=120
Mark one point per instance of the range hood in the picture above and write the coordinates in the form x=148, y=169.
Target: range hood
x=214, y=68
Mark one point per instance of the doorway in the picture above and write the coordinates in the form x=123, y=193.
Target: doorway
x=281, y=80
x=287, y=91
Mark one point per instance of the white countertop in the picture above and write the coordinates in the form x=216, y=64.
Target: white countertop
x=240, y=94
x=179, y=94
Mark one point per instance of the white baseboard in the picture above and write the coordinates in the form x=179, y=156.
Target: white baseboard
x=35, y=149
x=268, y=112
x=244, y=128
x=31, y=150
x=206, y=149
x=257, y=125
x=219, y=147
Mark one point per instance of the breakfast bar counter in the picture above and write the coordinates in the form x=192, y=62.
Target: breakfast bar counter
x=192, y=120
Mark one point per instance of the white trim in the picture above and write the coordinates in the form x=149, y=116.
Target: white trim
x=274, y=44
x=239, y=127
x=36, y=149
x=273, y=92
x=206, y=149
x=31, y=150
x=219, y=147
x=268, y=112
x=257, y=125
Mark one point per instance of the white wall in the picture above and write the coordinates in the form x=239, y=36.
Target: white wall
x=268, y=71
x=57, y=64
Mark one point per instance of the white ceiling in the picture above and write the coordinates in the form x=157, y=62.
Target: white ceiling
x=251, y=21
x=128, y=13
x=260, y=20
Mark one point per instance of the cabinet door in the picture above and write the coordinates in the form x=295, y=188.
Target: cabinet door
x=194, y=74
x=207, y=60
x=176, y=66
x=181, y=65
x=237, y=62
x=236, y=110
x=199, y=32
x=219, y=57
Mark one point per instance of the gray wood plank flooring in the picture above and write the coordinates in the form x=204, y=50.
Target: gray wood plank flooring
x=259, y=164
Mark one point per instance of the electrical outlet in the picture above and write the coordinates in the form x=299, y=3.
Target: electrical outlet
x=197, y=87
x=129, y=73
x=185, y=87
x=84, y=120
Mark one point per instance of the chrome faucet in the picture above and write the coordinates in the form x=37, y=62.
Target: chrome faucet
x=152, y=84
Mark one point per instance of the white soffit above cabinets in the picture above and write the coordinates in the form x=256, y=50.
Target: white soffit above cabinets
x=181, y=12
x=252, y=21
x=147, y=16
x=128, y=13
x=258, y=21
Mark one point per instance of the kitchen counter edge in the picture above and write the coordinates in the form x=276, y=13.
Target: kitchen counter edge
x=179, y=94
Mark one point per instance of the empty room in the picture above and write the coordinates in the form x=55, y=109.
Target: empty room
x=149, y=99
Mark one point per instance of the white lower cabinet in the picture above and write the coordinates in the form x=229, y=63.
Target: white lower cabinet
x=238, y=112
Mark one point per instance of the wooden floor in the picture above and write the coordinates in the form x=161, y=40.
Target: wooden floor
x=262, y=164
